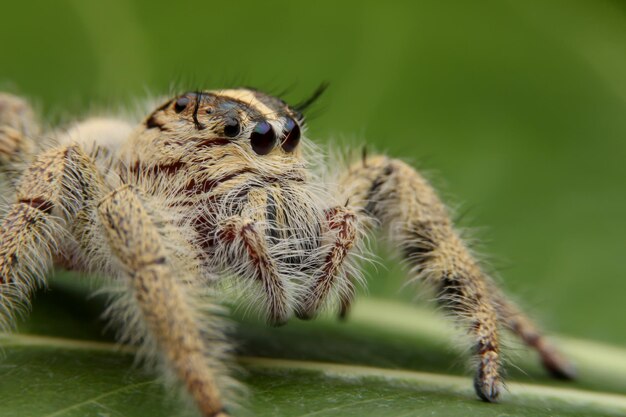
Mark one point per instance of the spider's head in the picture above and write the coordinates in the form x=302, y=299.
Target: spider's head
x=245, y=119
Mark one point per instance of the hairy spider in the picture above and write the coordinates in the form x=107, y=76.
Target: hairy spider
x=217, y=186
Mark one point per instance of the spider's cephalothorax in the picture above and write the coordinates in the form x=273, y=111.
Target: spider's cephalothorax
x=216, y=184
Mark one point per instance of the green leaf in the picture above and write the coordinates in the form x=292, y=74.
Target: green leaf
x=388, y=358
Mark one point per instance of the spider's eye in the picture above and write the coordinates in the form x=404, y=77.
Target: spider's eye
x=181, y=104
x=232, y=128
x=263, y=138
x=292, y=135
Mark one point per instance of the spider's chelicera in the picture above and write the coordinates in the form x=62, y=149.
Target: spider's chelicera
x=222, y=186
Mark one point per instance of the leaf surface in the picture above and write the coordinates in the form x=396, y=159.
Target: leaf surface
x=388, y=358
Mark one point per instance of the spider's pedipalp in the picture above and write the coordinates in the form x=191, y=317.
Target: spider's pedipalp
x=244, y=247
x=343, y=226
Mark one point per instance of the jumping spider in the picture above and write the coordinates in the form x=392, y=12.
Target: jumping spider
x=216, y=184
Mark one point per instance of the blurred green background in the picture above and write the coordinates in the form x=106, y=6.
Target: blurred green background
x=516, y=109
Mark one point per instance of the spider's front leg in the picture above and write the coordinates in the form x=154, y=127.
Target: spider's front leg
x=55, y=205
x=418, y=223
x=157, y=279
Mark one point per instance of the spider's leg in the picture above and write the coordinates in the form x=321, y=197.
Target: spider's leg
x=240, y=239
x=17, y=128
x=158, y=278
x=28, y=239
x=343, y=226
x=517, y=322
x=32, y=230
x=55, y=202
x=418, y=223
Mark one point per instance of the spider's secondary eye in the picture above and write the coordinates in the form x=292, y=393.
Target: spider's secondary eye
x=292, y=135
x=263, y=138
x=181, y=104
x=231, y=128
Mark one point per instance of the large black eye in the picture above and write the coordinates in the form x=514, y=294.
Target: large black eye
x=231, y=128
x=263, y=138
x=292, y=135
x=181, y=104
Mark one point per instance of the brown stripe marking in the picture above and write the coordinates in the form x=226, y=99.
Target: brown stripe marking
x=370, y=199
x=209, y=143
x=266, y=270
x=38, y=203
x=168, y=169
x=343, y=222
x=205, y=186
x=153, y=123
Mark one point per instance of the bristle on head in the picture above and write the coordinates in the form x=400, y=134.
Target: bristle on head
x=303, y=105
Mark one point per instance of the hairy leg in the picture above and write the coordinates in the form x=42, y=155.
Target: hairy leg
x=32, y=231
x=17, y=128
x=165, y=304
x=518, y=323
x=55, y=203
x=27, y=242
x=418, y=223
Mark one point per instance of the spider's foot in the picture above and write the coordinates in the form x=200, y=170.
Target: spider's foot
x=305, y=315
x=277, y=315
x=277, y=322
x=488, y=384
x=488, y=391
x=221, y=413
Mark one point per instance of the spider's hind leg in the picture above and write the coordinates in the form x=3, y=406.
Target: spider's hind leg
x=18, y=126
x=518, y=323
x=418, y=224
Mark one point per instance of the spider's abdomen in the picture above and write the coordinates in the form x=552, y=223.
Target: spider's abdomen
x=106, y=133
